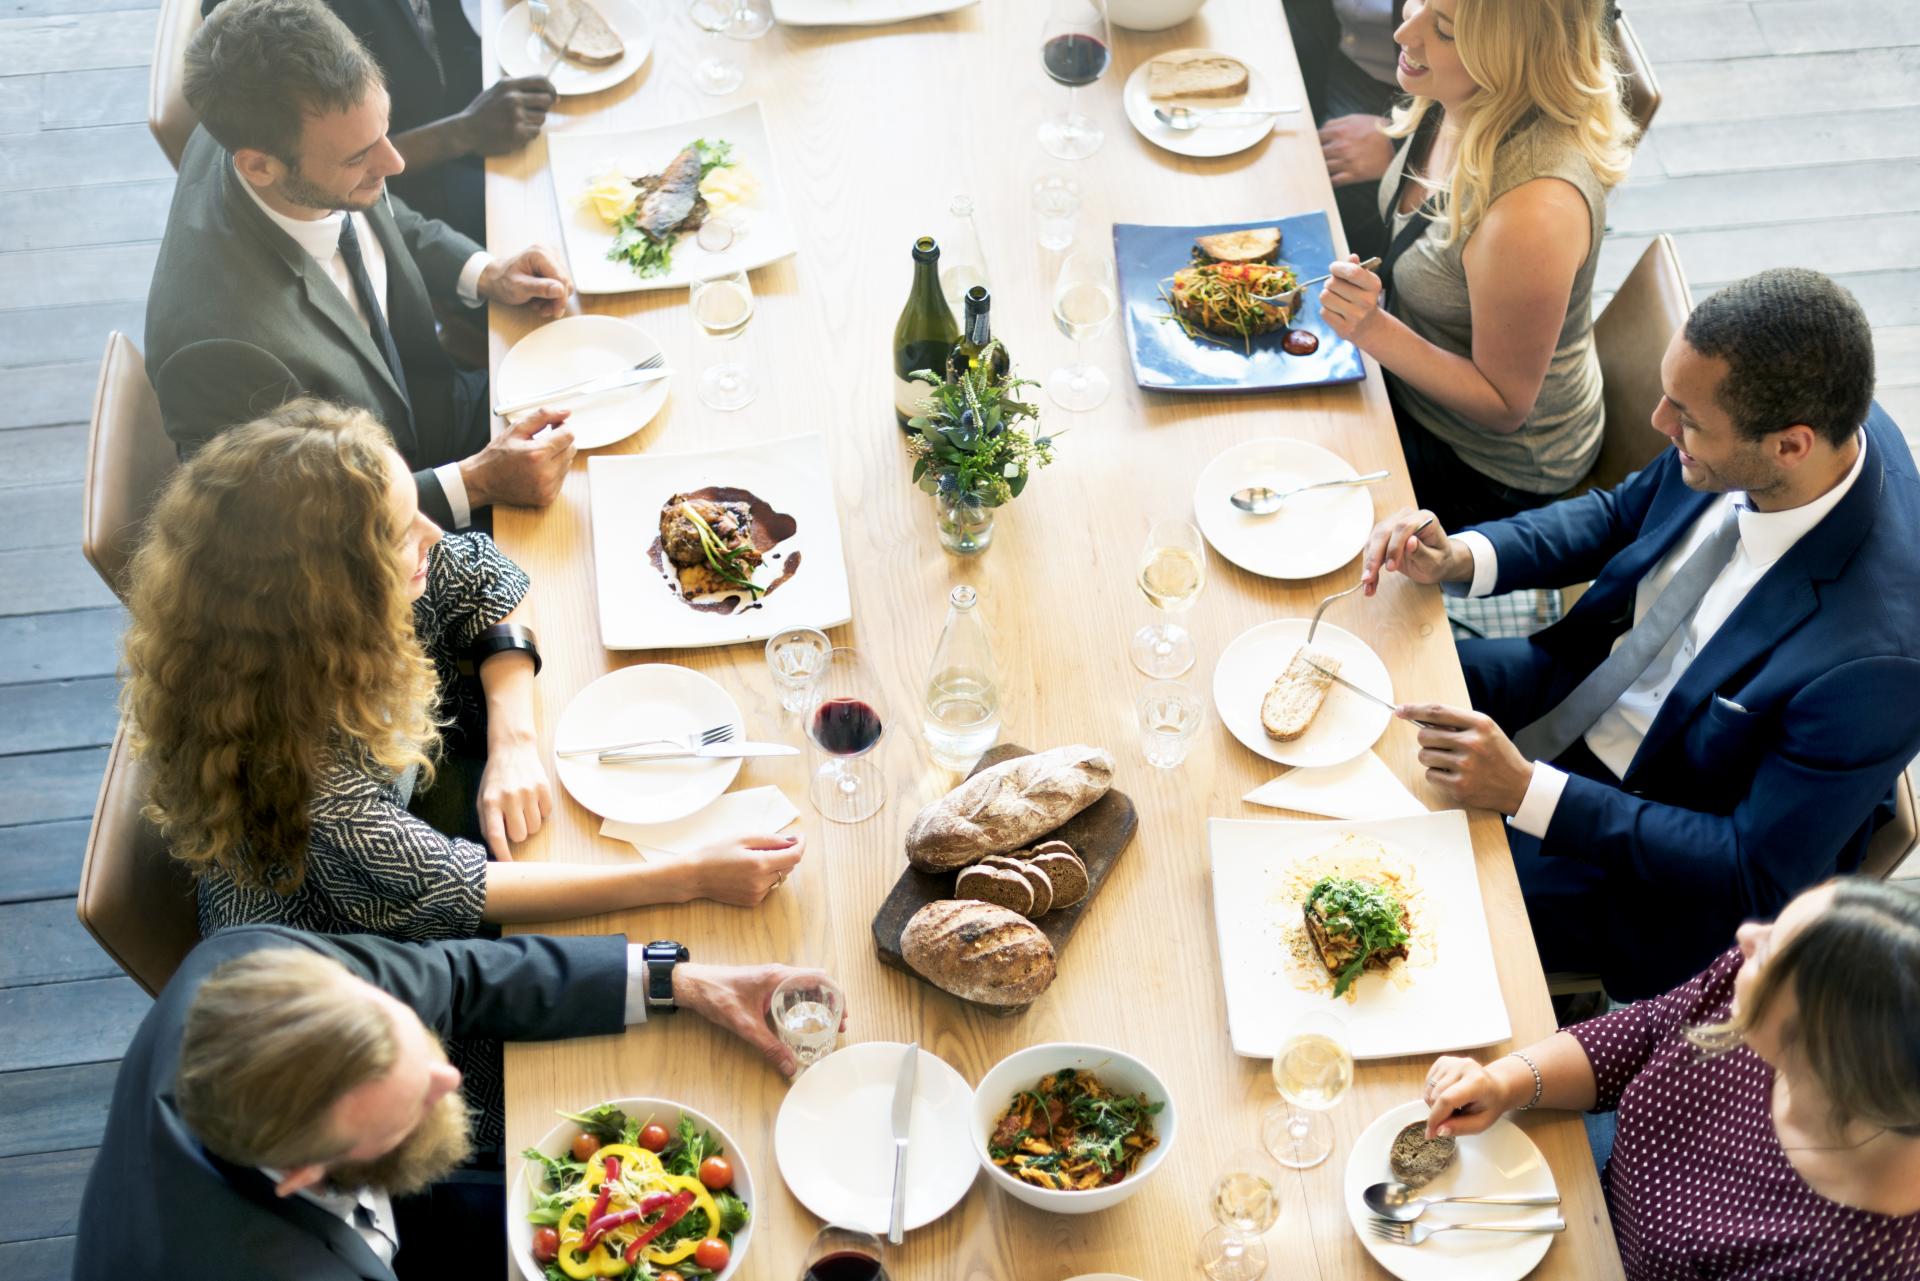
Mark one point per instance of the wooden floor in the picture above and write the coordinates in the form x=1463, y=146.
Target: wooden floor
x=1790, y=135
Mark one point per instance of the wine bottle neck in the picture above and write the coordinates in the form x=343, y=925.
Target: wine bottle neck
x=979, y=329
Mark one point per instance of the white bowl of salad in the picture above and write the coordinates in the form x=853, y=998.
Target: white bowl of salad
x=632, y=1190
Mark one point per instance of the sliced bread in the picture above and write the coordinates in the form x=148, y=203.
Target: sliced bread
x=1068, y=874
x=1196, y=73
x=581, y=33
x=1042, y=887
x=995, y=885
x=1295, y=699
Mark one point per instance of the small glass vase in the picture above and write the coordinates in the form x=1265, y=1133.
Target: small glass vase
x=966, y=525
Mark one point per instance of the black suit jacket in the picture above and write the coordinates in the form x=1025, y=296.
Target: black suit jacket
x=1315, y=30
x=240, y=318
x=159, y=1205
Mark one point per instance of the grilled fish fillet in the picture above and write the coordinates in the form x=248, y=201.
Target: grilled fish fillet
x=1295, y=698
x=666, y=207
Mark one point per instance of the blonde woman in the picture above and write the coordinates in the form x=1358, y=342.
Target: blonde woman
x=1768, y=1110
x=1495, y=204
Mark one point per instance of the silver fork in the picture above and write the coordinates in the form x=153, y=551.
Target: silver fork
x=685, y=743
x=537, y=15
x=1415, y=1233
x=1315, y=625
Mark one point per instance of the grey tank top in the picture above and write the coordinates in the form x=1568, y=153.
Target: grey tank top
x=1561, y=439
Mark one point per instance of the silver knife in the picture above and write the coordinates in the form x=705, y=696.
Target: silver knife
x=902, y=1122
x=1369, y=695
x=585, y=387
x=715, y=751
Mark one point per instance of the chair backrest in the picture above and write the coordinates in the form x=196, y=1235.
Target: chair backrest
x=136, y=901
x=168, y=114
x=1643, y=90
x=129, y=457
x=1894, y=843
x=1630, y=336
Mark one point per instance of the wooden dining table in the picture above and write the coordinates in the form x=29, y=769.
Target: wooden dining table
x=875, y=129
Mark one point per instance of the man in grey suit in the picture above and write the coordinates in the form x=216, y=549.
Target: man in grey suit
x=288, y=269
x=285, y=1110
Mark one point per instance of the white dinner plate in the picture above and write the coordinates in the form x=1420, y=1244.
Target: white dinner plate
x=653, y=700
x=859, y=13
x=522, y=53
x=833, y=1138
x=1207, y=140
x=1347, y=724
x=578, y=160
x=574, y=348
x=1501, y=1162
x=1445, y=996
x=1312, y=534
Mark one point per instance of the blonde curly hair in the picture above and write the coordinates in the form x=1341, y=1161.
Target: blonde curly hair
x=271, y=625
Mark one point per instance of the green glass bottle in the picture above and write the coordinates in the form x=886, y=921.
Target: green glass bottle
x=975, y=334
x=924, y=334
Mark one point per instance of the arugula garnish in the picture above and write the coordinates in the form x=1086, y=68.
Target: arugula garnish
x=1362, y=911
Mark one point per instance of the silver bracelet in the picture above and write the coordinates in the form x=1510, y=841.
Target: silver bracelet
x=1538, y=1084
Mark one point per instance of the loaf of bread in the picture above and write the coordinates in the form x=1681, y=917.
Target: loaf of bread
x=1004, y=806
x=1194, y=73
x=1295, y=699
x=978, y=952
x=580, y=33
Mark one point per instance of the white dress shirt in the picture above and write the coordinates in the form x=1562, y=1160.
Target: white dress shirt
x=379, y=1230
x=320, y=237
x=1764, y=538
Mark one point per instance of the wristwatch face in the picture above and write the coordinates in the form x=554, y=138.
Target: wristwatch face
x=661, y=956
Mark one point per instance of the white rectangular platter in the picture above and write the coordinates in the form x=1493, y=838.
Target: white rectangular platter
x=1446, y=997
x=859, y=13
x=639, y=606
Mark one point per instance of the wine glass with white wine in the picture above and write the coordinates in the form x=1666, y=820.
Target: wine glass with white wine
x=1084, y=303
x=1312, y=1070
x=722, y=303
x=1246, y=1202
x=1173, y=569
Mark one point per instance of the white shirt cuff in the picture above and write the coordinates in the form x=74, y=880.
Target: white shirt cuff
x=456, y=491
x=1486, y=563
x=636, y=983
x=1542, y=798
x=469, y=284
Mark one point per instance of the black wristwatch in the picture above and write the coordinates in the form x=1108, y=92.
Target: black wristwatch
x=500, y=638
x=661, y=956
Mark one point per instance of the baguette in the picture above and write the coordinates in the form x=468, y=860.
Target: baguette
x=1295, y=699
x=1195, y=73
x=979, y=952
x=581, y=33
x=1005, y=806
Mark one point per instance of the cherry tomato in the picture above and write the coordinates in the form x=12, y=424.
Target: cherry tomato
x=712, y=1254
x=716, y=1172
x=654, y=1137
x=668, y=1276
x=584, y=1146
x=546, y=1245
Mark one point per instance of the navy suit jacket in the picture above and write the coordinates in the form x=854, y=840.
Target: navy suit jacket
x=1773, y=760
x=164, y=1206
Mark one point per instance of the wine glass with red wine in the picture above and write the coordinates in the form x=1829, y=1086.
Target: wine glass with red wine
x=845, y=719
x=1075, y=48
x=841, y=1254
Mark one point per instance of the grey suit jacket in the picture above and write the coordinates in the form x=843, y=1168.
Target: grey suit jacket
x=158, y=1204
x=240, y=319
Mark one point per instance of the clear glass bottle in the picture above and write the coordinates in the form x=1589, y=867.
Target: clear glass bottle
x=963, y=263
x=962, y=714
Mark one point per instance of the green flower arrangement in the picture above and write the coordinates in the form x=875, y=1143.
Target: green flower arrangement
x=973, y=445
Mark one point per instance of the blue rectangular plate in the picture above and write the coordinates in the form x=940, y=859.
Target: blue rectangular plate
x=1165, y=359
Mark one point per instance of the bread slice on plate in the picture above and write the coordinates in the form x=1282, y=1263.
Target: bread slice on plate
x=1295, y=699
x=1418, y=1160
x=995, y=885
x=1196, y=73
x=1254, y=244
x=581, y=33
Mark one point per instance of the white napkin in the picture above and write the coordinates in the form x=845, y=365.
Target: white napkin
x=755, y=809
x=1361, y=788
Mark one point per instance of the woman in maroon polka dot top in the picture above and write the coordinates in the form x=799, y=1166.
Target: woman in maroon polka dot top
x=1768, y=1109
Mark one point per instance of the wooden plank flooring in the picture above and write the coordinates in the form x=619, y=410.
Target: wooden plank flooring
x=1790, y=133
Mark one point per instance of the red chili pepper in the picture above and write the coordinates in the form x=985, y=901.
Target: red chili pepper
x=655, y=1201
x=676, y=1211
x=597, y=1228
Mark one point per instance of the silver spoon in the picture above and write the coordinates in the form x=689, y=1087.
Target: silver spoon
x=1261, y=501
x=1184, y=121
x=1403, y=1204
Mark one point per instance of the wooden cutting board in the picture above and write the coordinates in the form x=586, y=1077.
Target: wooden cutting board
x=1099, y=834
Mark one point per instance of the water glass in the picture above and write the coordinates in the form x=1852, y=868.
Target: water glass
x=1246, y=1202
x=1170, y=715
x=806, y=1012
x=1056, y=206
x=1312, y=1071
x=1084, y=302
x=722, y=303
x=795, y=657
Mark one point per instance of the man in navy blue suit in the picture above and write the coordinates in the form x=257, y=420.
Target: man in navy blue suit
x=1718, y=722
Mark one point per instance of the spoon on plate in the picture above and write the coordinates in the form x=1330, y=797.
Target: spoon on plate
x=1182, y=120
x=1402, y=1203
x=1258, y=500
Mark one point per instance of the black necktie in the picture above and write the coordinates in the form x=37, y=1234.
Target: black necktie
x=376, y=313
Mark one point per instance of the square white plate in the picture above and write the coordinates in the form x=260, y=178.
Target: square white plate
x=639, y=607
x=1446, y=998
x=859, y=13
x=580, y=159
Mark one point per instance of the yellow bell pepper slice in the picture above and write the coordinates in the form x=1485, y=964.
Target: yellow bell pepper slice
x=680, y=1251
x=573, y=1230
x=702, y=1200
x=631, y=1159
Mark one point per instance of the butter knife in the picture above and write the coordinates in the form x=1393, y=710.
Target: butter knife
x=1369, y=695
x=713, y=751
x=587, y=387
x=902, y=1122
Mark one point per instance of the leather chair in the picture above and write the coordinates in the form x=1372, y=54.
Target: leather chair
x=1893, y=844
x=136, y=901
x=129, y=456
x=1630, y=336
x=1643, y=90
x=168, y=115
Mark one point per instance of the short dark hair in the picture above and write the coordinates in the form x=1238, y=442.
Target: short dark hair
x=1798, y=350
x=257, y=68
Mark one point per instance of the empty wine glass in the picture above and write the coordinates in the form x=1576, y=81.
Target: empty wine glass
x=750, y=20
x=1173, y=569
x=845, y=719
x=1312, y=1070
x=722, y=303
x=1084, y=302
x=1075, y=48
x=719, y=72
x=1246, y=1202
x=806, y=1012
